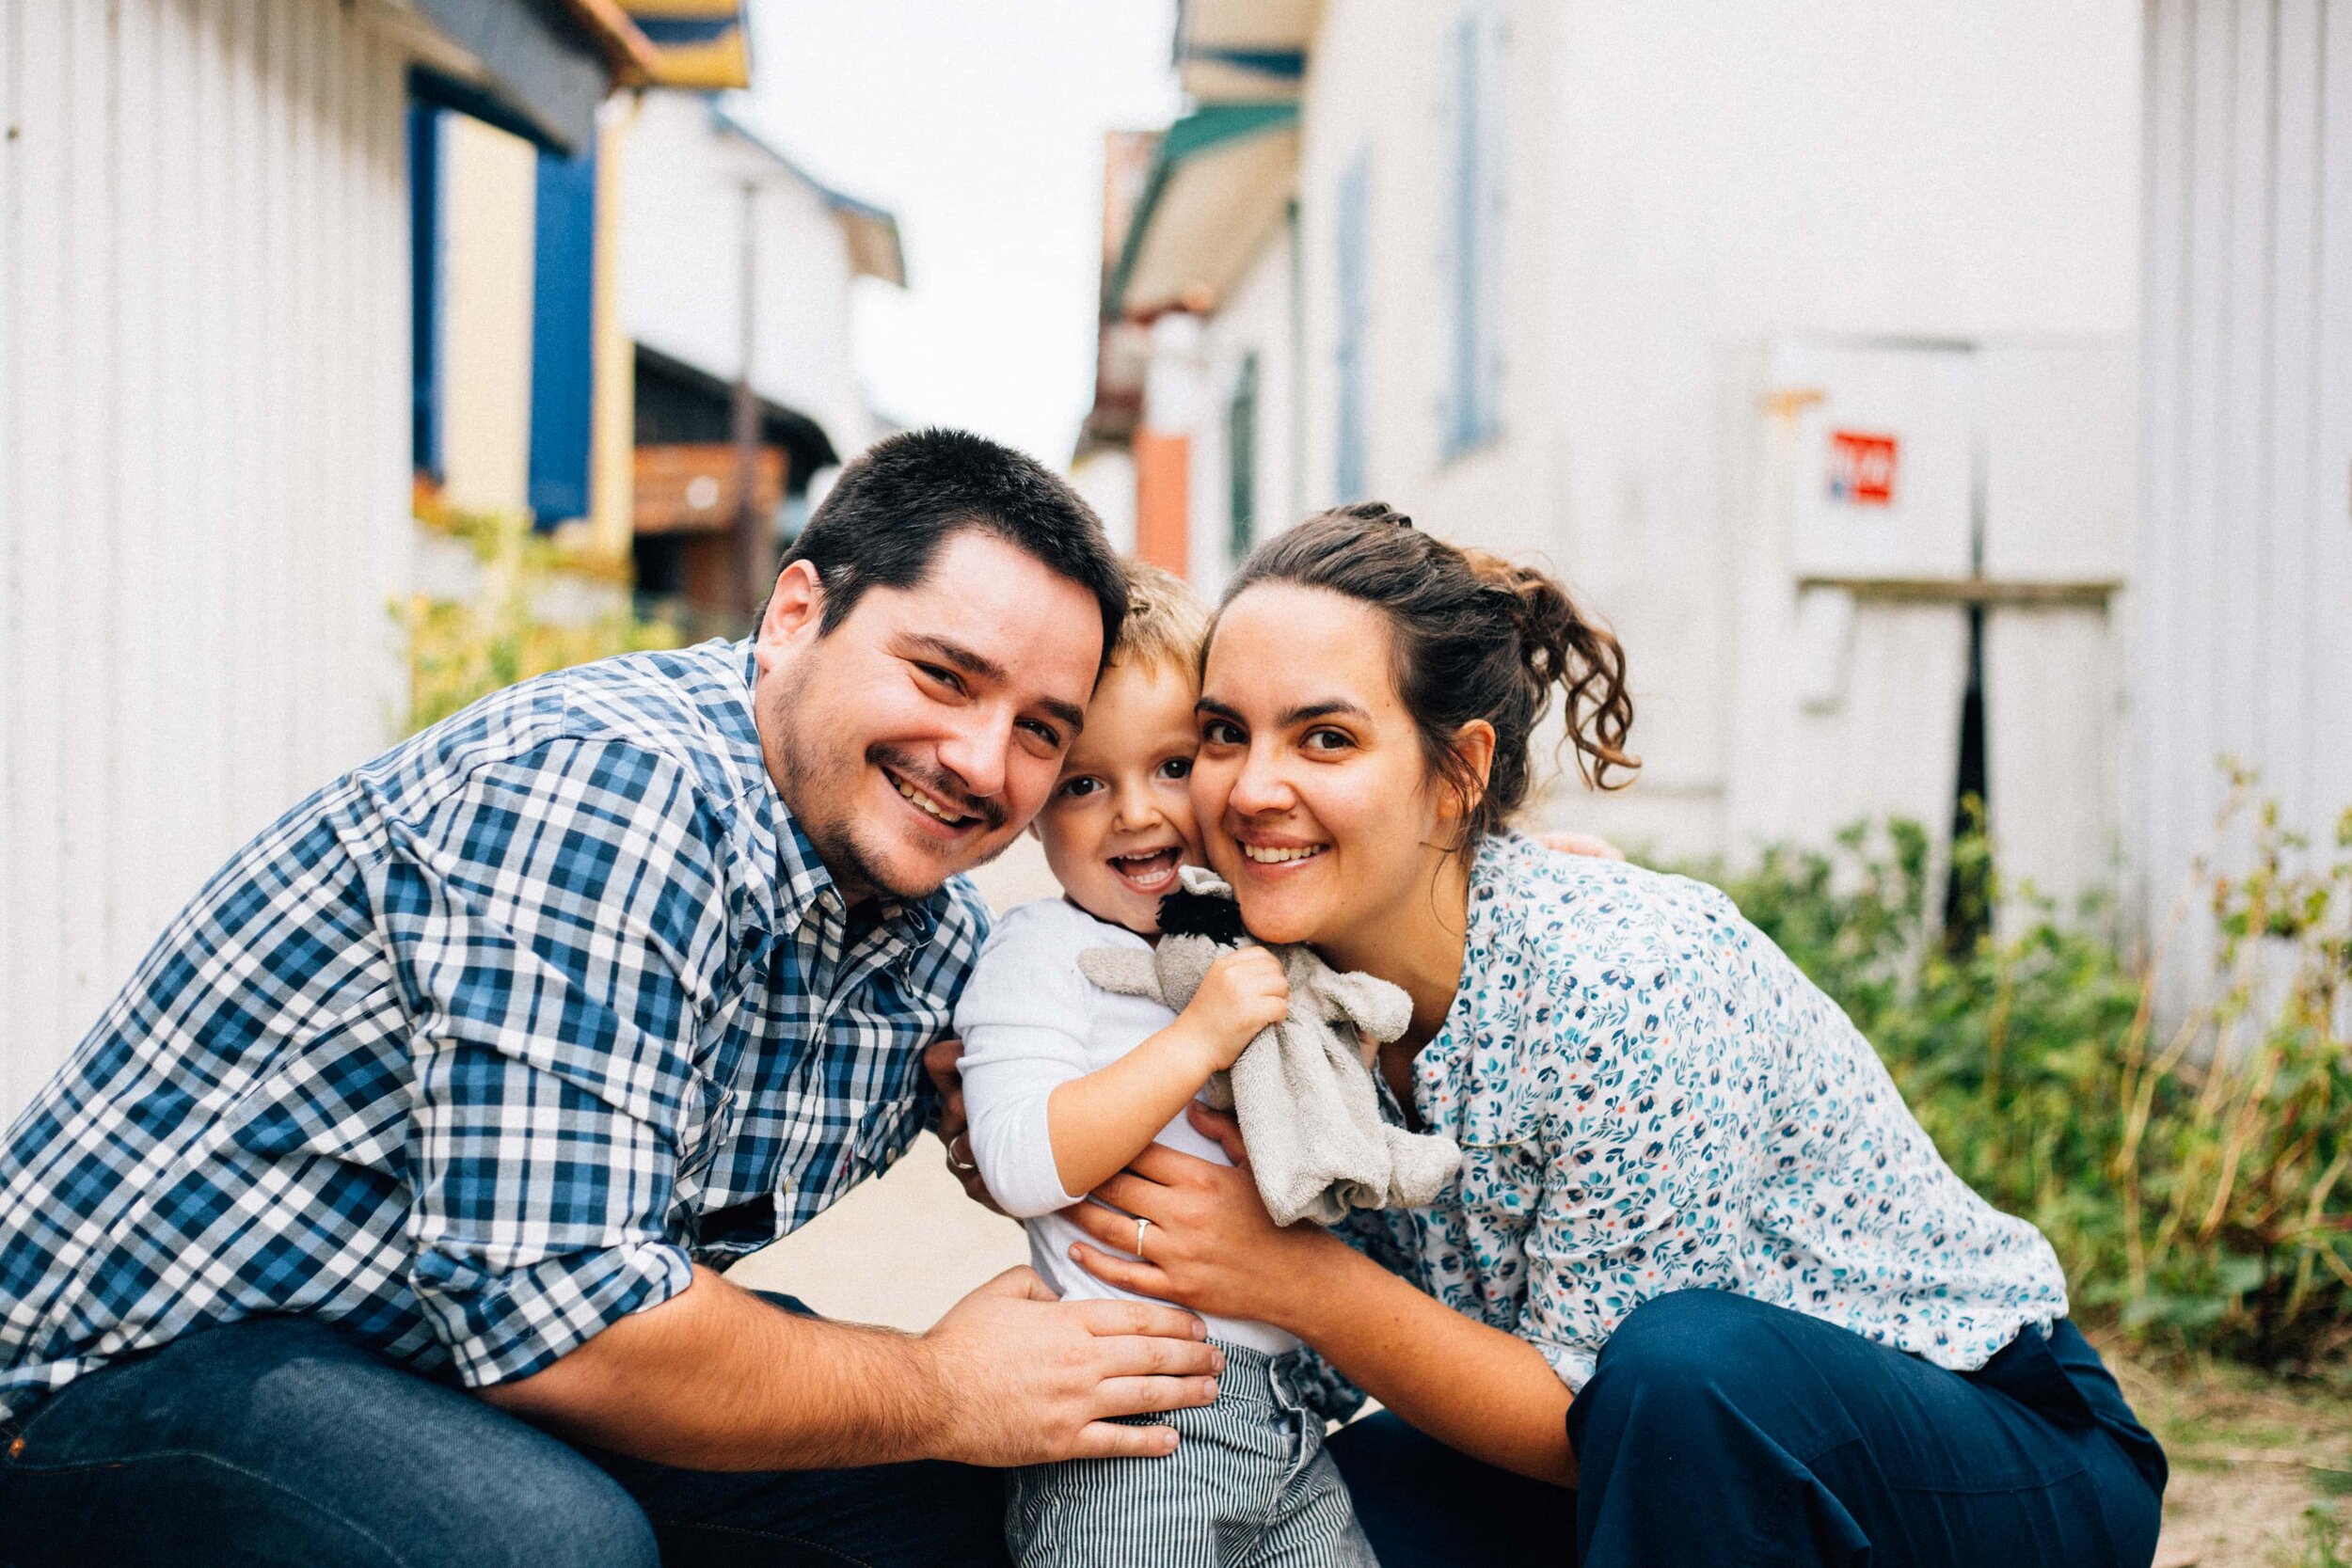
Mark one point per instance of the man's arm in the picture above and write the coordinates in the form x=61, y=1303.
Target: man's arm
x=716, y=1379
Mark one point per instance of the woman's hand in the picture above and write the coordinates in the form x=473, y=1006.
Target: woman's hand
x=1211, y=1245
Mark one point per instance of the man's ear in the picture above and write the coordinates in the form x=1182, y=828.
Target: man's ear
x=1474, y=745
x=795, y=610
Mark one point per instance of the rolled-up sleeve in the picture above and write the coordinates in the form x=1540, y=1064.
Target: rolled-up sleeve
x=557, y=924
x=1023, y=1019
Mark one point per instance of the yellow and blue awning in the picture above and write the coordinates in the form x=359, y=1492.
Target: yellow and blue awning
x=703, y=44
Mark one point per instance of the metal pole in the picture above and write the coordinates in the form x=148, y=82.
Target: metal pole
x=750, y=526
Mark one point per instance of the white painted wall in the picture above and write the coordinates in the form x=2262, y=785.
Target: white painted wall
x=204, y=461
x=1255, y=318
x=680, y=259
x=1694, y=185
x=1104, y=478
x=2243, y=625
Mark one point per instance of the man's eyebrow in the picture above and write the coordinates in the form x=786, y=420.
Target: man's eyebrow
x=980, y=664
x=958, y=655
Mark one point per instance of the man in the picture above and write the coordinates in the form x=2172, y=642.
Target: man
x=376, y=1220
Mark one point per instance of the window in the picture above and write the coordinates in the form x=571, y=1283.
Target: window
x=1474, y=293
x=1352, y=217
x=1241, y=460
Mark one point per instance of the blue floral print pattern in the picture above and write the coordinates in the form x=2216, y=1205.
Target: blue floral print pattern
x=1650, y=1097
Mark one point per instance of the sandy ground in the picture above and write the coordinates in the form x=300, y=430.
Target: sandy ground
x=2248, y=1458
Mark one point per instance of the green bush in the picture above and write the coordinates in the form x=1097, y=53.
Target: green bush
x=459, y=650
x=2195, y=1187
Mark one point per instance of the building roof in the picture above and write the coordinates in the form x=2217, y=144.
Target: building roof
x=677, y=401
x=871, y=232
x=538, y=71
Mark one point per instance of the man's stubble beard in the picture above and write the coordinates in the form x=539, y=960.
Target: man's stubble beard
x=808, y=766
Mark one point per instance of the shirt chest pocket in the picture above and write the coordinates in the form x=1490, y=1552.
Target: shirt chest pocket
x=1504, y=1156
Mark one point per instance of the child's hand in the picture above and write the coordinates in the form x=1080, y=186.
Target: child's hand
x=1244, y=992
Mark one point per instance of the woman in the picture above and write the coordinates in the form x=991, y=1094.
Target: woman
x=1701, y=1265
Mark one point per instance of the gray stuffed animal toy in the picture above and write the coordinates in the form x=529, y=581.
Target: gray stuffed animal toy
x=1301, y=1090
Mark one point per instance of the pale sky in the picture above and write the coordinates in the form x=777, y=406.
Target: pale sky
x=979, y=123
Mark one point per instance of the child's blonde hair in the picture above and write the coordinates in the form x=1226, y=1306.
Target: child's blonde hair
x=1166, y=623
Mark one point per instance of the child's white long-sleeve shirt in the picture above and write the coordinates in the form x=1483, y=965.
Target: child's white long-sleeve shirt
x=1031, y=1021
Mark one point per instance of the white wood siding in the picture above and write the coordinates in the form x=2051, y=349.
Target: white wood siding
x=2244, y=618
x=204, y=461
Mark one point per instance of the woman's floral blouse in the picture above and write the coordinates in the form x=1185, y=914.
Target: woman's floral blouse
x=1650, y=1097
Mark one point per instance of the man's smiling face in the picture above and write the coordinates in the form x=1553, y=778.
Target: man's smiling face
x=920, y=735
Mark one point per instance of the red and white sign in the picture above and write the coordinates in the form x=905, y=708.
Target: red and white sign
x=1861, y=468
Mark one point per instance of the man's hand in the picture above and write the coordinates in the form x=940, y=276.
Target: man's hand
x=954, y=1129
x=1023, y=1379
x=716, y=1379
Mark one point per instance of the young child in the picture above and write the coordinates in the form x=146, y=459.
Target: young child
x=1065, y=1082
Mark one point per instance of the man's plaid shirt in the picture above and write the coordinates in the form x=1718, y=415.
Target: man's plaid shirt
x=473, y=1051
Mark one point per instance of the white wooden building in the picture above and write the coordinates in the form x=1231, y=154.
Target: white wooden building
x=205, y=435
x=694, y=174
x=2242, y=639
x=1810, y=344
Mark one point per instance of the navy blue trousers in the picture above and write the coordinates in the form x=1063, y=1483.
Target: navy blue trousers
x=1718, y=1430
x=278, y=1442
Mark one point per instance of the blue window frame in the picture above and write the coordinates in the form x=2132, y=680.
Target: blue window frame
x=1352, y=226
x=1473, y=396
x=562, y=337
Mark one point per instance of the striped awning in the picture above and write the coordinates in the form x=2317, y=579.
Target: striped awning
x=1220, y=180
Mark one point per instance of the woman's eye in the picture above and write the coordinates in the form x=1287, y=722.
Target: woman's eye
x=1220, y=732
x=1327, y=740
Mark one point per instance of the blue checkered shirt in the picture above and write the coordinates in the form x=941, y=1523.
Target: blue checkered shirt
x=475, y=1049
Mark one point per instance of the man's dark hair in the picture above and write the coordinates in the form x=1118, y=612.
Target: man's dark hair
x=906, y=495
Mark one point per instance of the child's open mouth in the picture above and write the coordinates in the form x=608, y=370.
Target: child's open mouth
x=1150, y=871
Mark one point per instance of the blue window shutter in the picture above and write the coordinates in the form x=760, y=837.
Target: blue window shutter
x=562, y=331
x=1241, y=462
x=1352, y=222
x=424, y=288
x=1472, y=397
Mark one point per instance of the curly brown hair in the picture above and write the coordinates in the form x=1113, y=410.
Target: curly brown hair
x=1476, y=637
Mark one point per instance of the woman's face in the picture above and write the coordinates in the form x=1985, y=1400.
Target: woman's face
x=1313, y=797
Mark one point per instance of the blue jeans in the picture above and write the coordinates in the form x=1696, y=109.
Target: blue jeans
x=1718, y=1430
x=280, y=1441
